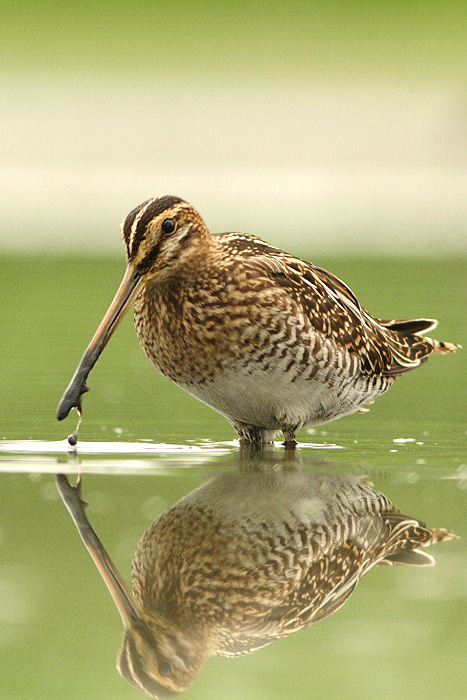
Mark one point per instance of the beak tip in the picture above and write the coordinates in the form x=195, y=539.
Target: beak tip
x=63, y=410
x=71, y=399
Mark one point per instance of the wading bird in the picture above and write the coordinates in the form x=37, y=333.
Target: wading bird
x=268, y=340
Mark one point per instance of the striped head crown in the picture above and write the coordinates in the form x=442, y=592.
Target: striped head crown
x=159, y=229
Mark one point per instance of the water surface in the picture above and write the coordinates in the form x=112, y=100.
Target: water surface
x=144, y=444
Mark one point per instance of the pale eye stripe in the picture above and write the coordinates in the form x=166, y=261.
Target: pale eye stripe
x=127, y=668
x=138, y=218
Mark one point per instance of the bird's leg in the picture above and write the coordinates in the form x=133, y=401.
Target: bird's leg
x=289, y=432
x=253, y=433
x=290, y=444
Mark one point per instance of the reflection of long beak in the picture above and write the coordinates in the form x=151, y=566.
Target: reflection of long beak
x=123, y=597
x=123, y=299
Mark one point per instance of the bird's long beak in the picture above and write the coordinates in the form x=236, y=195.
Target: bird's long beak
x=123, y=299
x=124, y=599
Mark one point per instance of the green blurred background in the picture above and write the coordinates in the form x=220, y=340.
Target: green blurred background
x=319, y=125
x=335, y=130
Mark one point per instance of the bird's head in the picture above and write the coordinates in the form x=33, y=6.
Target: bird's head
x=158, y=234
x=159, y=658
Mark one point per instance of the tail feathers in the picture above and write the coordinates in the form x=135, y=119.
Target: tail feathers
x=416, y=326
x=442, y=535
x=411, y=326
x=414, y=557
x=408, y=348
x=407, y=537
x=440, y=347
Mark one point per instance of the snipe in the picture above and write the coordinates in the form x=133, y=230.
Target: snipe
x=245, y=559
x=268, y=340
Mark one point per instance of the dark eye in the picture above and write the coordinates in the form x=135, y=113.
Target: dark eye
x=168, y=225
x=165, y=668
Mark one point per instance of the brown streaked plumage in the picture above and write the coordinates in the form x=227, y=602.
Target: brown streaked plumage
x=268, y=340
x=247, y=558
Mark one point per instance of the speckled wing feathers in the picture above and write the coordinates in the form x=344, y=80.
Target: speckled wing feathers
x=384, y=347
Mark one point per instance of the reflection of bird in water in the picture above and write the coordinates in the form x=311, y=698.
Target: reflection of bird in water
x=270, y=341
x=245, y=559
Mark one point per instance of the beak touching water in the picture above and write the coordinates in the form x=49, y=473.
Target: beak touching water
x=130, y=286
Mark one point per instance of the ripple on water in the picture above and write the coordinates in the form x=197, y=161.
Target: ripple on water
x=42, y=456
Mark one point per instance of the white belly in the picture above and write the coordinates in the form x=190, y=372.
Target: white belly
x=271, y=399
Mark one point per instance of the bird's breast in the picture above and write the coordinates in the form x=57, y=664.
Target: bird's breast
x=247, y=350
x=192, y=332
